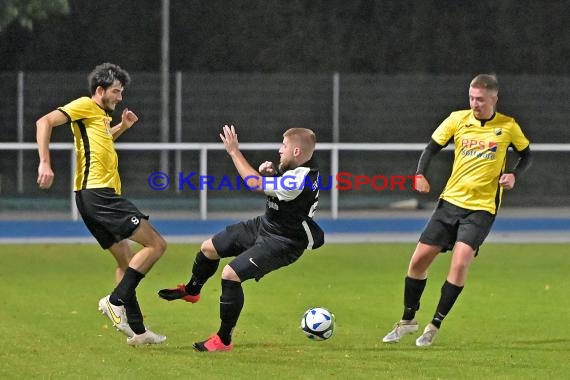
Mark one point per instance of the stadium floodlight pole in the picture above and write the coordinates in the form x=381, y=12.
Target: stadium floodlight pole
x=165, y=89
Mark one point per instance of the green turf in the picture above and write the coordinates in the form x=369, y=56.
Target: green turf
x=511, y=322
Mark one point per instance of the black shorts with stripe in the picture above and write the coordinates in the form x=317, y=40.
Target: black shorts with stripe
x=256, y=251
x=109, y=217
x=450, y=223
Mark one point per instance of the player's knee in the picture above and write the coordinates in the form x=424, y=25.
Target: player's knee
x=416, y=265
x=459, y=268
x=209, y=250
x=229, y=274
x=162, y=245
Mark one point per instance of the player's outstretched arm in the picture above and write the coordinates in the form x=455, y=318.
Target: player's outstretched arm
x=251, y=176
x=44, y=125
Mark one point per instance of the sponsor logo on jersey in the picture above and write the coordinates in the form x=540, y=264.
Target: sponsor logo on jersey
x=479, y=148
x=479, y=144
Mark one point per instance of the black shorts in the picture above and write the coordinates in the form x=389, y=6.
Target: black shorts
x=449, y=224
x=109, y=217
x=256, y=252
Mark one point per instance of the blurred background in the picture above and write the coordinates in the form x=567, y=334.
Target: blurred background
x=361, y=71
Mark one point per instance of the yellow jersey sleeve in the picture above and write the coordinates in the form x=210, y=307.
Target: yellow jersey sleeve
x=518, y=139
x=447, y=129
x=82, y=108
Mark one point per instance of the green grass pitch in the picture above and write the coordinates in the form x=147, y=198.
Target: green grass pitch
x=511, y=321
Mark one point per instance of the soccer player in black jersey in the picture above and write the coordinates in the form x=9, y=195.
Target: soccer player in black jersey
x=469, y=202
x=264, y=243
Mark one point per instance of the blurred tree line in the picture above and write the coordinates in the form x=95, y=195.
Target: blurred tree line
x=382, y=36
x=24, y=12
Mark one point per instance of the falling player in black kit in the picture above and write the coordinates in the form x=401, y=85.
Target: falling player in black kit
x=264, y=243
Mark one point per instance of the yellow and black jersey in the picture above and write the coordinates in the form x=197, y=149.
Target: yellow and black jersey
x=480, y=157
x=97, y=161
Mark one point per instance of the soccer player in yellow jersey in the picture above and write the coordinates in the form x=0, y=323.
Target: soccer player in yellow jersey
x=112, y=219
x=469, y=202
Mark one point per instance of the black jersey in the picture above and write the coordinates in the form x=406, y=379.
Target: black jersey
x=292, y=200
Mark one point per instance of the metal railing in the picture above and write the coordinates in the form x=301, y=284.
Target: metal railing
x=204, y=148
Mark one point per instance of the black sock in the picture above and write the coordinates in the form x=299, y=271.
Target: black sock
x=449, y=294
x=231, y=303
x=125, y=290
x=413, y=289
x=203, y=269
x=134, y=315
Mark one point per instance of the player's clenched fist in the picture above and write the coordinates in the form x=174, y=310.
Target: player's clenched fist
x=267, y=168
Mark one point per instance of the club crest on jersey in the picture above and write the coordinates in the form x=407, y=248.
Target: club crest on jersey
x=498, y=131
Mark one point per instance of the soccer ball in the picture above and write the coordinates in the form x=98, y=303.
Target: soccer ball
x=318, y=323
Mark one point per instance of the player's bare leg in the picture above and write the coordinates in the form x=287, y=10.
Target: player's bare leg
x=123, y=255
x=153, y=244
x=463, y=256
x=124, y=294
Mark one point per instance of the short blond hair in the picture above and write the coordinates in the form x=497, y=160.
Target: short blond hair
x=304, y=137
x=486, y=81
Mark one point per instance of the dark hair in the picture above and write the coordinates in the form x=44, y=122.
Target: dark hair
x=105, y=75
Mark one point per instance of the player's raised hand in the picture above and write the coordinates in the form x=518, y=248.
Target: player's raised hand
x=421, y=184
x=230, y=139
x=267, y=168
x=128, y=118
x=45, y=176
